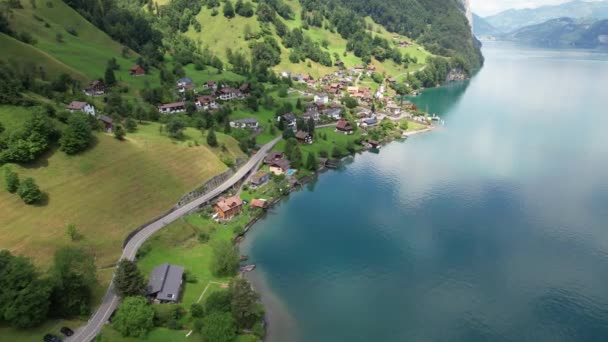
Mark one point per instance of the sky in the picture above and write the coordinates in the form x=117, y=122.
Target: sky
x=489, y=7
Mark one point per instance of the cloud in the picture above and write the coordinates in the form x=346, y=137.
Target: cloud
x=489, y=7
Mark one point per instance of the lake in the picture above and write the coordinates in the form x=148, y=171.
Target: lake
x=492, y=228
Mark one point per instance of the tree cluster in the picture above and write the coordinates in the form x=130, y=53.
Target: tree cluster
x=27, y=298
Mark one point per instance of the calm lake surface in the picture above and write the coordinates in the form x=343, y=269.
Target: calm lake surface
x=492, y=228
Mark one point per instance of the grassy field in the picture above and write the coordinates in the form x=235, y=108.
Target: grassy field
x=111, y=188
x=334, y=139
x=83, y=56
x=178, y=244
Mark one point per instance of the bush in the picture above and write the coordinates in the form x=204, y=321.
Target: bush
x=29, y=191
x=11, y=180
x=203, y=237
x=72, y=31
x=197, y=310
x=134, y=317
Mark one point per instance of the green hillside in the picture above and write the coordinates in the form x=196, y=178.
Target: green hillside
x=18, y=53
x=83, y=53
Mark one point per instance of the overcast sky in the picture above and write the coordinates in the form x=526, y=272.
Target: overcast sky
x=489, y=7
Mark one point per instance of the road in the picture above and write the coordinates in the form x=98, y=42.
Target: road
x=110, y=300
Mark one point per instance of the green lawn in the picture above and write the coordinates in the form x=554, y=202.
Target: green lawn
x=157, y=335
x=106, y=191
x=333, y=139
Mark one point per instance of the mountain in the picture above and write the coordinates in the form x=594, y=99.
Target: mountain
x=514, y=19
x=482, y=27
x=564, y=32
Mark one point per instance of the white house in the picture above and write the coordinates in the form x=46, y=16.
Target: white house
x=289, y=119
x=171, y=108
x=393, y=109
x=79, y=106
x=333, y=113
x=245, y=123
x=184, y=84
x=205, y=102
x=321, y=98
x=229, y=94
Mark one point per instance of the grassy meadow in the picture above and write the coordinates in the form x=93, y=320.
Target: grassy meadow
x=106, y=191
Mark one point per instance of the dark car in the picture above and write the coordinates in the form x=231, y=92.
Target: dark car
x=67, y=331
x=51, y=338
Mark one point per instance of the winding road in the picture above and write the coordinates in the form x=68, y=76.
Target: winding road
x=110, y=300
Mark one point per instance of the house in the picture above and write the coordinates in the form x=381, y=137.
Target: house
x=170, y=108
x=205, y=102
x=259, y=179
x=226, y=208
x=344, y=126
x=280, y=166
x=80, y=106
x=165, y=283
x=373, y=143
x=370, y=122
x=245, y=88
x=289, y=120
x=272, y=157
x=229, y=94
x=393, y=109
x=108, y=123
x=95, y=88
x=334, y=113
x=352, y=90
x=307, y=77
x=339, y=64
x=321, y=98
x=259, y=203
x=304, y=137
x=137, y=70
x=210, y=85
x=311, y=113
x=244, y=123
x=184, y=84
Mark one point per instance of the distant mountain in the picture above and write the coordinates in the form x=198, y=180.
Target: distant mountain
x=512, y=20
x=482, y=27
x=564, y=32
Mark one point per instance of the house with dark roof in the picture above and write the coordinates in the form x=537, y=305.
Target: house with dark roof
x=311, y=113
x=259, y=179
x=170, y=108
x=279, y=166
x=304, y=137
x=245, y=123
x=81, y=106
x=165, y=283
x=333, y=112
x=137, y=70
x=95, y=88
x=185, y=83
x=272, y=157
x=205, y=102
x=226, y=208
x=210, y=85
x=108, y=123
x=229, y=94
x=289, y=120
x=344, y=126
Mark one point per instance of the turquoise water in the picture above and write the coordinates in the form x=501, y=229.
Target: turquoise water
x=492, y=228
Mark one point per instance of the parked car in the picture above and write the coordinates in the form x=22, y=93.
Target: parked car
x=51, y=338
x=67, y=331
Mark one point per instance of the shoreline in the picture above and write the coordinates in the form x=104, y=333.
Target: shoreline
x=277, y=317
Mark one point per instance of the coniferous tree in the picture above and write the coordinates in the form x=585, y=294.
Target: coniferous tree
x=109, y=77
x=211, y=138
x=228, y=9
x=128, y=280
x=311, y=163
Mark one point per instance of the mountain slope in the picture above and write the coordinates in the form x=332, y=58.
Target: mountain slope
x=513, y=19
x=482, y=27
x=62, y=36
x=564, y=32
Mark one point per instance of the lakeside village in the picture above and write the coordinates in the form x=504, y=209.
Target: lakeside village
x=337, y=118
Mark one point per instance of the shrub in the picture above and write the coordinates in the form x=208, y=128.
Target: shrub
x=11, y=181
x=29, y=191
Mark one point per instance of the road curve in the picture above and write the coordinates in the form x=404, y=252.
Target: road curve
x=110, y=300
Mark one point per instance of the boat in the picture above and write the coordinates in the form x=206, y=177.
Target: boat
x=247, y=268
x=244, y=257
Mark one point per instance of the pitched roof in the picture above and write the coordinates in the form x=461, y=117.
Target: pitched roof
x=344, y=125
x=246, y=121
x=289, y=117
x=165, y=282
x=258, y=176
x=172, y=105
x=258, y=203
x=225, y=204
x=205, y=99
x=185, y=80
x=105, y=119
x=301, y=135
x=281, y=163
x=77, y=105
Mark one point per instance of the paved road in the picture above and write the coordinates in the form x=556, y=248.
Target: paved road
x=110, y=300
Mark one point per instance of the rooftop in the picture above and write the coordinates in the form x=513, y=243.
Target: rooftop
x=165, y=282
